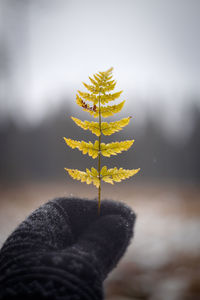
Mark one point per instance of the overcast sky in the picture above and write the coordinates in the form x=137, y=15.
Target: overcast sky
x=153, y=45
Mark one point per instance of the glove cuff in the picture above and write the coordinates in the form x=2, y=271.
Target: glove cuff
x=52, y=277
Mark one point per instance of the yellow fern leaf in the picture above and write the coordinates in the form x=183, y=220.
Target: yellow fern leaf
x=86, y=125
x=91, y=88
x=90, y=176
x=86, y=148
x=107, y=111
x=94, y=82
x=115, y=147
x=105, y=98
x=117, y=175
x=102, y=82
x=109, y=86
x=112, y=127
x=100, y=79
x=97, y=78
x=79, y=101
x=93, y=149
x=106, y=128
x=94, y=111
x=85, y=106
x=109, y=97
x=108, y=82
x=89, y=97
x=107, y=73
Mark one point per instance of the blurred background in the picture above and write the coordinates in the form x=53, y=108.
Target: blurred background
x=47, y=48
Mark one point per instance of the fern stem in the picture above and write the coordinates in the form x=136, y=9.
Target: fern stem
x=99, y=159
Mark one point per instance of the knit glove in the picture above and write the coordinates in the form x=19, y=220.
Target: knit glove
x=64, y=250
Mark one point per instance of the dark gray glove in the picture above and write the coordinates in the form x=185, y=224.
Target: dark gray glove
x=64, y=250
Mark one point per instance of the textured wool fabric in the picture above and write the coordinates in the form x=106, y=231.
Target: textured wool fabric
x=64, y=250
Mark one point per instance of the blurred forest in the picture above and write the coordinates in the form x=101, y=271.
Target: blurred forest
x=46, y=49
x=38, y=152
x=29, y=62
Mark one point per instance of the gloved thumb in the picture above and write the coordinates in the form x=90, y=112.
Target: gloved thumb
x=106, y=240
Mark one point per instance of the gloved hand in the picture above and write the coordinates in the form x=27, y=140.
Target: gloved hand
x=64, y=250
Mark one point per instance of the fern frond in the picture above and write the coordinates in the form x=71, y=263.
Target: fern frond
x=106, y=128
x=86, y=148
x=99, y=94
x=90, y=176
x=115, y=147
x=117, y=175
x=107, y=111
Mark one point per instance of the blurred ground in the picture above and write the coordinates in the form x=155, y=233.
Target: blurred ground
x=163, y=260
